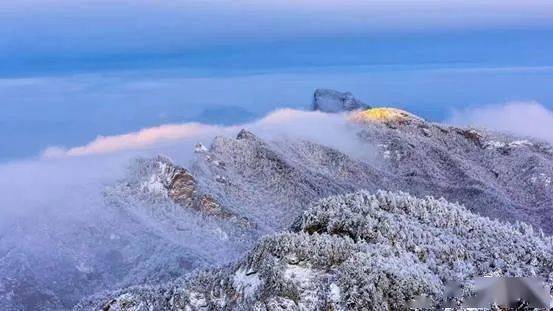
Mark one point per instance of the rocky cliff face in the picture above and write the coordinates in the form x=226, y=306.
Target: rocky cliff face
x=159, y=179
x=326, y=100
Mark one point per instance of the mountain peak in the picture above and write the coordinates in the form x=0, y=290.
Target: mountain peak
x=327, y=100
x=384, y=115
x=245, y=134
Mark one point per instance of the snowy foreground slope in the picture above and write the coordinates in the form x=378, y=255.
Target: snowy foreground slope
x=353, y=252
x=241, y=194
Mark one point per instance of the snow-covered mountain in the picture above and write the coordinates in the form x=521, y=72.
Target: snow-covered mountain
x=288, y=223
x=491, y=174
x=342, y=246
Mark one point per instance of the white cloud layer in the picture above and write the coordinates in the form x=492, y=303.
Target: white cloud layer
x=529, y=119
x=142, y=139
x=520, y=118
x=69, y=181
x=328, y=129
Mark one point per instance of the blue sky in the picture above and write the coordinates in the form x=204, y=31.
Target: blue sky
x=72, y=70
x=55, y=35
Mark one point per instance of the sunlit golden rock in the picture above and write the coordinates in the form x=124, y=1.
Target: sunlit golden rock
x=383, y=115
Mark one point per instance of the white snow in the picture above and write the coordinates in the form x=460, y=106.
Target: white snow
x=221, y=233
x=126, y=302
x=154, y=185
x=542, y=178
x=387, y=153
x=84, y=268
x=520, y=143
x=200, y=148
x=303, y=278
x=493, y=144
x=335, y=295
x=247, y=284
x=197, y=301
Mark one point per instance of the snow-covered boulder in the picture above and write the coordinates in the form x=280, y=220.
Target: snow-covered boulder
x=159, y=179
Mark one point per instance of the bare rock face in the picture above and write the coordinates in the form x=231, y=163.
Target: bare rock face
x=244, y=134
x=471, y=135
x=327, y=100
x=182, y=189
x=159, y=178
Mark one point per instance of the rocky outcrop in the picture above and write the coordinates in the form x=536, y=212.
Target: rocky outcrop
x=387, y=116
x=159, y=178
x=327, y=100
